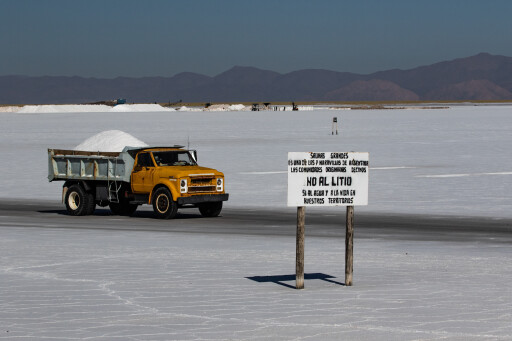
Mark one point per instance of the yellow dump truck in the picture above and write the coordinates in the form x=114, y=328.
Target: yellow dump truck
x=166, y=177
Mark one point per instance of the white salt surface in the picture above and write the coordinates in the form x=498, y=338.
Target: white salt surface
x=122, y=285
x=101, y=284
x=110, y=141
x=415, y=155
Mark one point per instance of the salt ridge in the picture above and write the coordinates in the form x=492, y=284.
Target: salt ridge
x=93, y=108
x=84, y=108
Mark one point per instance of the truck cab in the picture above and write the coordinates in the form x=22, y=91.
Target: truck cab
x=170, y=178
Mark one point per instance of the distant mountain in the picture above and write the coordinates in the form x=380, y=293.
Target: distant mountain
x=236, y=84
x=471, y=90
x=309, y=85
x=372, y=90
x=426, y=79
x=480, y=77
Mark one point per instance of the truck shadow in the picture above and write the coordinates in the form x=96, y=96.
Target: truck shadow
x=281, y=279
x=105, y=212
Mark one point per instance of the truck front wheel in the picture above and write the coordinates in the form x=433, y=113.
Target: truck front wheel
x=163, y=205
x=210, y=209
x=78, y=201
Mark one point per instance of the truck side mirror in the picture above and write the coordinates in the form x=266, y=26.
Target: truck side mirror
x=194, y=155
x=137, y=168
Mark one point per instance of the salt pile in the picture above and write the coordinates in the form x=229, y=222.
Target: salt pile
x=110, y=141
x=10, y=108
x=36, y=109
x=225, y=107
x=84, y=108
x=216, y=107
x=184, y=108
x=139, y=108
x=92, y=108
x=236, y=107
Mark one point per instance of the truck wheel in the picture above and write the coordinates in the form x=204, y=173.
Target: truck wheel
x=92, y=204
x=163, y=205
x=210, y=209
x=122, y=208
x=78, y=201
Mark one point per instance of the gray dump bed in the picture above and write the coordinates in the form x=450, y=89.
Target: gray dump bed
x=84, y=165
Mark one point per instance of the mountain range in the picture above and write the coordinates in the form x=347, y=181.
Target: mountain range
x=480, y=77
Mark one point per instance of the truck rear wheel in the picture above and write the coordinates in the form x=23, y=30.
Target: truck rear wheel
x=92, y=204
x=210, y=209
x=78, y=201
x=163, y=204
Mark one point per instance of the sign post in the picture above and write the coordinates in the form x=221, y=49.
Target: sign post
x=299, y=253
x=349, y=246
x=327, y=179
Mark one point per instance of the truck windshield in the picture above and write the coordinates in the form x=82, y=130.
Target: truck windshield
x=173, y=158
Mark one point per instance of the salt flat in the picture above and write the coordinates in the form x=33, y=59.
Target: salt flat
x=108, y=285
x=101, y=284
x=449, y=161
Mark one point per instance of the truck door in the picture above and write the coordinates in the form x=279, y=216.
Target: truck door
x=142, y=175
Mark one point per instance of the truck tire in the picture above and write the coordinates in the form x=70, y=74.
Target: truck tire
x=92, y=204
x=210, y=209
x=163, y=204
x=122, y=208
x=78, y=201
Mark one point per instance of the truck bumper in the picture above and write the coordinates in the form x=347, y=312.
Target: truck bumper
x=197, y=199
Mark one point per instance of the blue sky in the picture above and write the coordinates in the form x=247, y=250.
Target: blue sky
x=111, y=38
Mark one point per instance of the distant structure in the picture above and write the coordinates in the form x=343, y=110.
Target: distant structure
x=258, y=106
x=269, y=106
x=111, y=103
x=170, y=104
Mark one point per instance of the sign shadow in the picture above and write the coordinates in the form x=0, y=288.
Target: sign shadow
x=281, y=279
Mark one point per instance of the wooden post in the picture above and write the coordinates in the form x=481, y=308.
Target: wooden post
x=349, y=246
x=299, y=255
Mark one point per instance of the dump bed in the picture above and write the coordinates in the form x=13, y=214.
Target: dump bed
x=83, y=165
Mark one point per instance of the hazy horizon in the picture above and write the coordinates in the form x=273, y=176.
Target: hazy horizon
x=232, y=67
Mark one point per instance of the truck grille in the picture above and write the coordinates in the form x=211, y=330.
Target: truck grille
x=203, y=181
x=202, y=184
x=201, y=189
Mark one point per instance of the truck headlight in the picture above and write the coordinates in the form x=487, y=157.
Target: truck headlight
x=220, y=185
x=183, y=186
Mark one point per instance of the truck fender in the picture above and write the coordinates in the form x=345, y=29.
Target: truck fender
x=164, y=183
x=86, y=186
x=64, y=191
x=65, y=187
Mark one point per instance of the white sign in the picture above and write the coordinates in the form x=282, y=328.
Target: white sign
x=327, y=179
